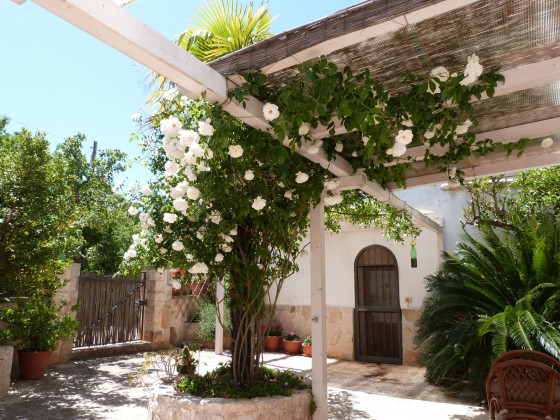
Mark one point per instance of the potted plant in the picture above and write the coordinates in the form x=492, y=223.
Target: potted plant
x=273, y=336
x=177, y=287
x=292, y=343
x=35, y=326
x=306, y=345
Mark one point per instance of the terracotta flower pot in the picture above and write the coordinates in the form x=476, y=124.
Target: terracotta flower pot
x=306, y=350
x=33, y=364
x=292, y=347
x=272, y=343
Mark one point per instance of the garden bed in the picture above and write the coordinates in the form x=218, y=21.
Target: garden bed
x=168, y=404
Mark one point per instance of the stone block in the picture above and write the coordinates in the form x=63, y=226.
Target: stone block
x=6, y=356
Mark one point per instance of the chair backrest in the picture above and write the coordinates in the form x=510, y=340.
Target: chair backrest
x=536, y=356
x=525, y=385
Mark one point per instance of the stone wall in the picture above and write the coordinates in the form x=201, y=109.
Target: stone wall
x=167, y=404
x=340, y=329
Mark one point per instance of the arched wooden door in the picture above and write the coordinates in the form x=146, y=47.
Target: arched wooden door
x=377, y=315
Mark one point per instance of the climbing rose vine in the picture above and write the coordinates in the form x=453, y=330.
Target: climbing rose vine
x=232, y=202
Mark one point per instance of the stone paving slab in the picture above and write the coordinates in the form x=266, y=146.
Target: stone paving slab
x=98, y=389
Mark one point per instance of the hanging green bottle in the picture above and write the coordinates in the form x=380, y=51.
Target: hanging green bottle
x=413, y=259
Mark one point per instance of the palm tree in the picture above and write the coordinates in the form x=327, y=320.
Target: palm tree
x=219, y=28
x=490, y=297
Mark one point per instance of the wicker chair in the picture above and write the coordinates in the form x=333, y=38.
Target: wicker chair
x=536, y=356
x=521, y=387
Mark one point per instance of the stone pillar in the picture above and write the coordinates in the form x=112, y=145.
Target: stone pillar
x=67, y=295
x=6, y=356
x=157, y=310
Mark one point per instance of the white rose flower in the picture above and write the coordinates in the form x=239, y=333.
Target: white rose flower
x=398, y=149
x=281, y=185
x=215, y=217
x=404, y=137
x=209, y=153
x=315, y=147
x=260, y=266
x=333, y=200
x=441, y=73
x=463, y=128
x=169, y=217
x=249, y=175
x=304, y=129
x=188, y=137
x=205, y=128
x=199, y=236
x=145, y=226
x=338, y=147
x=407, y=122
x=151, y=222
x=159, y=239
x=196, y=150
x=453, y=172
x=429, y=134
x=146, y=190
x=226, y=248
x=288, y=194
x=132, y=211
x=235, y=151
x=301, y=177
x=259, y=203
x=191, y=176
x=180, y=204
x=219, y=257
x=143, y=217
x=437, y=88
x=135, y=238
x=270, y=111
x=332, y=184
x=233, y=232
x=354, y=154
x=193, y=193
x=176, y=284
x=176, y=192
x=188, y=159
x=171, y=168
x=365, y=139
x=170, y=94
x=304, y=253
x=168, y=229
x=136, y=117
x=170, y=126
x=199, y=268
x=162, y=251
x=228, y=238
x=178, y=246
x=547, y=142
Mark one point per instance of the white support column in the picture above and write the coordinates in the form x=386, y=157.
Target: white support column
x=318, y=311
x=219, y=340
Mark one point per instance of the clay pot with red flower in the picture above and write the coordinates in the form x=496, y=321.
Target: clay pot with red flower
x=273, y=336
x=292, y=343
x=306, y=346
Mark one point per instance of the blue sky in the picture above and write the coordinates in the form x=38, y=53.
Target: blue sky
x=60, y=80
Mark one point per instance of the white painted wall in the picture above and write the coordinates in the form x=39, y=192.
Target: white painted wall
x=341, y=252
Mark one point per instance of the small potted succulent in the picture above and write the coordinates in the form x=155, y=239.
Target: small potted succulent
x=306, y=345
x=292, y=343
x=273, y=335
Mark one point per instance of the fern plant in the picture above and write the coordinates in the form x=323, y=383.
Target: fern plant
x=492, y=296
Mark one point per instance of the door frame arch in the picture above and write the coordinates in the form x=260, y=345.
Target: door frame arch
x=359, y=309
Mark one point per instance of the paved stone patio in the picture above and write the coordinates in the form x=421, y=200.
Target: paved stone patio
x=98, y=389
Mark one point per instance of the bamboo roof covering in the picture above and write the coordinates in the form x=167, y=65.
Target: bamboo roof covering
x=512, y=35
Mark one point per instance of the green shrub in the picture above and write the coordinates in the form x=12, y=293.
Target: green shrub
x=207, y=320
x=219, y=384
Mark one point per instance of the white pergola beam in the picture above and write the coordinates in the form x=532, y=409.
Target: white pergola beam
x=335, y=44
x=503, y=135
x=494, y=164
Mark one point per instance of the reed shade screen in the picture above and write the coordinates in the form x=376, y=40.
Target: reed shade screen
x=109, y=310
x=505, y=34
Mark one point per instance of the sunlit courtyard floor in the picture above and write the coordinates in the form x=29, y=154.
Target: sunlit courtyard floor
x=98, y=389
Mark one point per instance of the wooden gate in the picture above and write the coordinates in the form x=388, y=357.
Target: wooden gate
x=111, y=309
x=377, y=316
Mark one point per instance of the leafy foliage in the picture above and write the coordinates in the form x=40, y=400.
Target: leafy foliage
x=33, y=321
x=489, y=298
x=505, y=201
x=320, y=92
x=102, y=229
x=218, y=384
x=36, y=212
x=207, y=315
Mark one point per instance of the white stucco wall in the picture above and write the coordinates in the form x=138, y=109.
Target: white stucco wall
x=448, y=204
x=341, y=251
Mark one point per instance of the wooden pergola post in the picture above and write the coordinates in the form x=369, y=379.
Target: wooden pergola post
x=219, y=340
x=318, y=310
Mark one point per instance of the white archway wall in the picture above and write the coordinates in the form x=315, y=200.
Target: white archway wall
x=293, y=306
